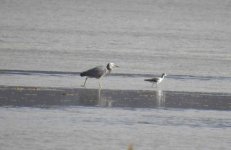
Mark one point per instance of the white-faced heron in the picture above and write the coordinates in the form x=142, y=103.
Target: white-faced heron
x=156, y=80
x=98, y=72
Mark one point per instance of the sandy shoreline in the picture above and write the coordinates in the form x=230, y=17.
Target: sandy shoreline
x=45, y=96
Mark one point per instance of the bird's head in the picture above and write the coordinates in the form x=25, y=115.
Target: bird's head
x=164, y=75
x=111, y=65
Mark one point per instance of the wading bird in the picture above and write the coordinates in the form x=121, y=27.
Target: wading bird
x=98, y=72
x=156, y=80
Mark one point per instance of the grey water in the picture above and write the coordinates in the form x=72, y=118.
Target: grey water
x=26, y=128
x=47, y=43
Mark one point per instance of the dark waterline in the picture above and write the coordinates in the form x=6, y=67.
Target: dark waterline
x=44, y=96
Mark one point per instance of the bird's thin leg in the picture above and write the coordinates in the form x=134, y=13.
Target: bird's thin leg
x=100, y=84
x=84, y=82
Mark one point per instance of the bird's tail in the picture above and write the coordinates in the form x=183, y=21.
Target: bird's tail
x=82, y=74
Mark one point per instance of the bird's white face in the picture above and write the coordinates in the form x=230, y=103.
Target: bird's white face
x=111, y=65
x=164, y=75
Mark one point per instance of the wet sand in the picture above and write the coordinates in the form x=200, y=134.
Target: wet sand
x=46, y=97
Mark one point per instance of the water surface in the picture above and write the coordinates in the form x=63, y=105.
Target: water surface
x=99, y=128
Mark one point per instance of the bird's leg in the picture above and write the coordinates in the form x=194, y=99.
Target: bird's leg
x=84, y=82
x=100, y=84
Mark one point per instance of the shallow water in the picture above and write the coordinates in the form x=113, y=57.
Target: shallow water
x=113, y=128
x=47, y=97
x=188, y=83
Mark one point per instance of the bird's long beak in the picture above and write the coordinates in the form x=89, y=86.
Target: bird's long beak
x=116, y=66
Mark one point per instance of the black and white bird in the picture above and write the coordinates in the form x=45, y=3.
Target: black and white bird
x=98, y=72
x=156, y=80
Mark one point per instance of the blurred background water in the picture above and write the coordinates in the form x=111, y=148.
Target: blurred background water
x=189, y=40
x=177, y=37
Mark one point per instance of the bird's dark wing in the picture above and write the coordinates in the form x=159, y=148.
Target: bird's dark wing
x=152, y=80
x=96, y=72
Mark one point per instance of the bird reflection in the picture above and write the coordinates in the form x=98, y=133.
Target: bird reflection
x=160, y=98
x=102, y=101
x=108, y=98
x=94, y=97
